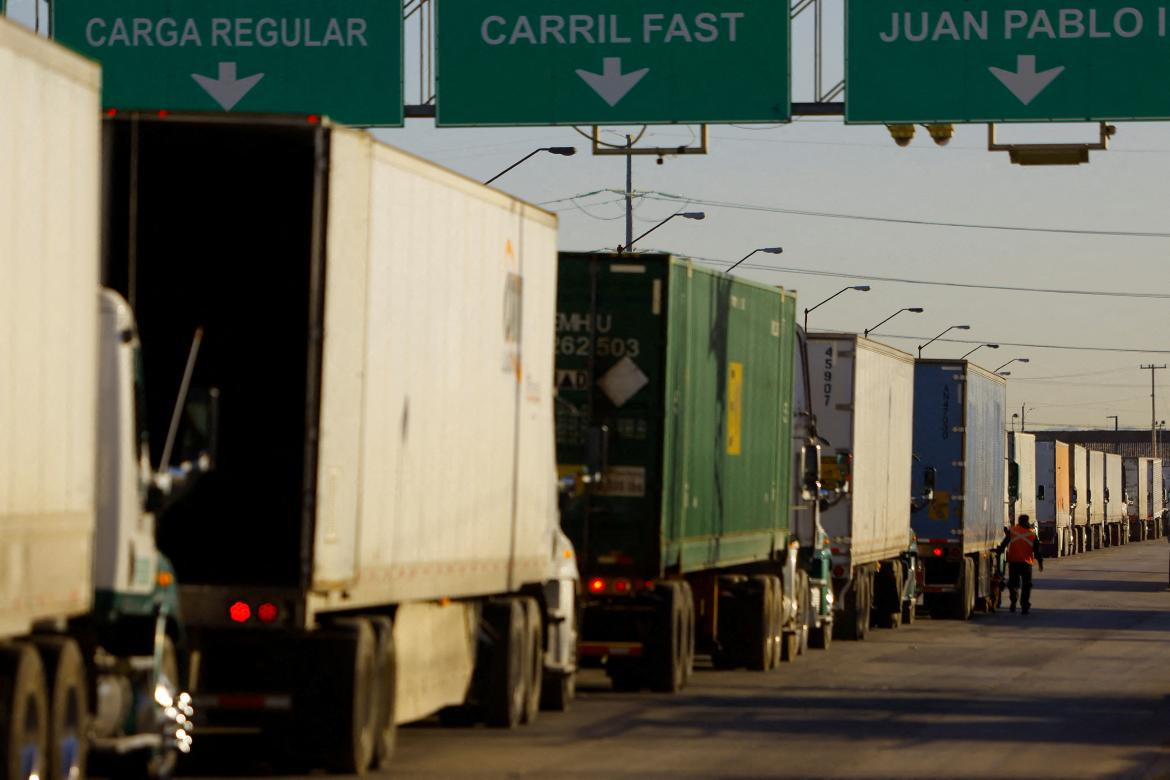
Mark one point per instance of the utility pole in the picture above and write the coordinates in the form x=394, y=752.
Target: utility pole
x=1153, y=411
x=1112, y=417
x=629, y=191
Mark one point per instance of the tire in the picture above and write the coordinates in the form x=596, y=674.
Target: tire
x=533, y=659
x=761, y=634
x=821, y=637
x=688, y=599
x=854, y=622
x=506, y=694
x=964, y=598
x=665, y=658
x=351, y=698
x=804, y=611
x=385, y=687
x=24, y=714
x=68, y=698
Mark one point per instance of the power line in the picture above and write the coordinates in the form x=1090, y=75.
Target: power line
x=666, y=196
x=1076, y=347
x=931, y=283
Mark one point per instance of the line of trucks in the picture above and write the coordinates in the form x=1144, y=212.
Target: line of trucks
x=292, y=452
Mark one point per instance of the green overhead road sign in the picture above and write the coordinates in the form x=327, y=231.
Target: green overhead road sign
x=549, y=62
x=985, y=61
x=342, y=59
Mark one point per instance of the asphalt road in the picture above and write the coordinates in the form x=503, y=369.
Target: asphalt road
x=1078, y=688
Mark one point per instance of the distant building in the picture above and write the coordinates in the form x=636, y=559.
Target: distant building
x=1131, y=443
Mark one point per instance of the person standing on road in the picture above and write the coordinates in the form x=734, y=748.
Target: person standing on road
x=1023, y=550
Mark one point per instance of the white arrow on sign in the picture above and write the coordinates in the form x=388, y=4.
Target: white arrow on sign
x=227, y=90
x=1026, y=83
x=611, y=83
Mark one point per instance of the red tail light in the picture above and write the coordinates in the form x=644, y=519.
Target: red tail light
x=267, y=612
x=839, y=571
x=596, y=585
x=621, y=585
x=937, y=552
x=240, y=612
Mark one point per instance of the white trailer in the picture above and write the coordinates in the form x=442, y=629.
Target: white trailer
x=1096, y=499
x=1079, y=481
x=381, y=540
x=1053, y=515
x=90, y=647
x=1157, y=498
x=863, y=400
x=1137, y=489
x=1021, y=459
x=1116, y=516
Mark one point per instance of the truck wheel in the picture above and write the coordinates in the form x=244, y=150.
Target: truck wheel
x=909, y=612
x=24, y=714
x=68, y=706
x=804, y=612
x=688, y=599
x=506, y=693
x=964, y=596
x=385, y=677
x=760, y=636
x=534, y=659
x=820, y=637
x=667, y=643
x=854, y=622
x=788, y=641
x=558, y=690
x=348, y=699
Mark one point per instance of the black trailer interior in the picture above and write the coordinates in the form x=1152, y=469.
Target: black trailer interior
x=212, y=223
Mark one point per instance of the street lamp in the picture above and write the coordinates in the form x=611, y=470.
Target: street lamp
x=1003, y=373
x=772, y=250
x=1014, y=418
x=1013, y=360
x=981, y=346
x=684, y=214
x=915, y=309
x=564, y=151
x=939, y=336
x=858, y=287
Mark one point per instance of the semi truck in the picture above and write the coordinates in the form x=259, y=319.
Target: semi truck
x=1116, y=519
x=864, y=406
x=1021, y=477
x=1157, y=499
x=1053, y=498
x=1137, y=489
x=1096, y=529
x=959, y=420
x=1079, y=479
x=91, y=639
x=380, y=539
x=675, y=384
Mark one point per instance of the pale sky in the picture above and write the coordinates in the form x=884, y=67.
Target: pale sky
x=824, y=166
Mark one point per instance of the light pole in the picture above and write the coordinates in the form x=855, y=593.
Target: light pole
x=981, y=346
x=1014, y=418
x=915, y=309
x=858, y=287
x=1013, y=360
x=1003, y=373
x=772, y=250
x=939, y=336
x=564, y=151
x=685, y=214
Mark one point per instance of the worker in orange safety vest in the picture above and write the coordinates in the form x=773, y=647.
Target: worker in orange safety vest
x=1023, y=550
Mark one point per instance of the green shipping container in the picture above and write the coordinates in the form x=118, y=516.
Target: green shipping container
x=691, y=371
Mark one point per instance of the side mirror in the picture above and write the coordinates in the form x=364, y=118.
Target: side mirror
x=1072, y=494
x=1106, y=494
x=199, y=430
x=810, y=482
x=1013, y=480
x=1040, y=492
x=929, y=477
x=596, y=452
